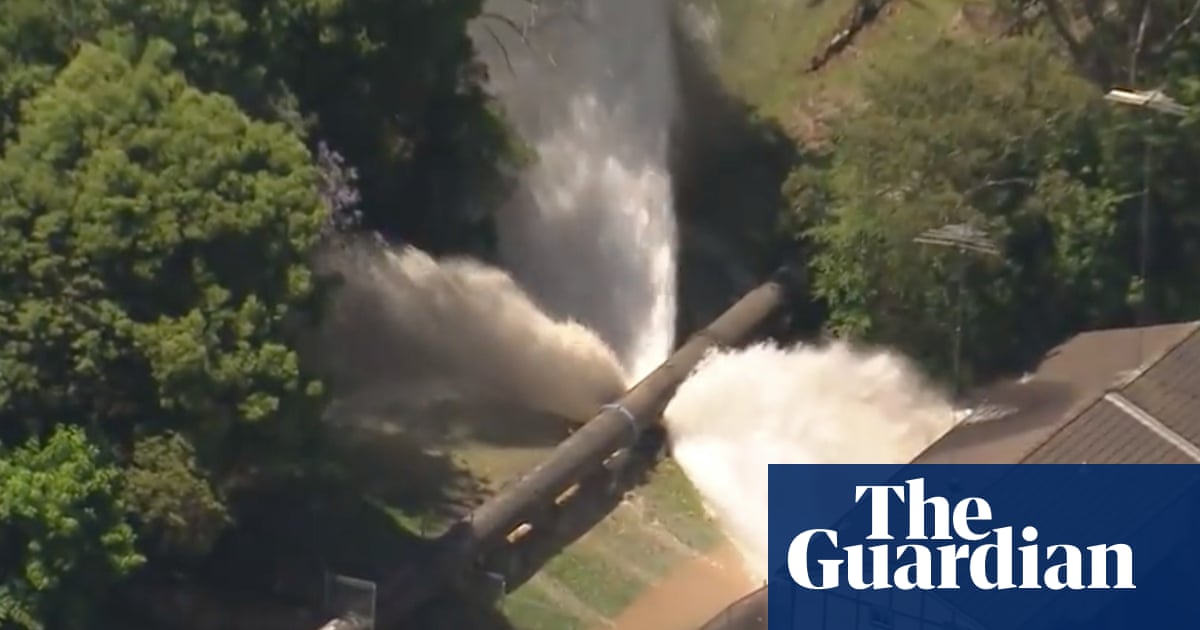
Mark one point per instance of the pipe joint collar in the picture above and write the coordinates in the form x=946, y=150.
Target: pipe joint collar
x=619, y=408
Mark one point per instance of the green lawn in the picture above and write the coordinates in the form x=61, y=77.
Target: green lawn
x=671, y=501
x=596, y=579
x=766, y=46
x=661, y=526
x=593, y=580
x=531, y=608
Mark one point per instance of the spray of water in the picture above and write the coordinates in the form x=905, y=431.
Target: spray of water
x=591, y=237
x=742, y=410
x=407, y=329
x=591, y=232
x=591, y=85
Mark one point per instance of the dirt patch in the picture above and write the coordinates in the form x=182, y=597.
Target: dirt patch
x=689, y=595
x=978, y=19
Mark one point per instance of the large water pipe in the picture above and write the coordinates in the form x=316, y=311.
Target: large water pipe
x=618, y=426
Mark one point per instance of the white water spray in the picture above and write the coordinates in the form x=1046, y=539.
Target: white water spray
x=591, y=236
x=742, y=410
x=591, y=233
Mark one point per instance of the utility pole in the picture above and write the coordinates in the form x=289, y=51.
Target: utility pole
x=1156, y=101
x=963, y=238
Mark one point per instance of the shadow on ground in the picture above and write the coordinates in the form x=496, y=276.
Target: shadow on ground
x=450, y=422
x=270, y=570
x=364, y=522
x=505, y=567
x=729, y=165
x=397, y=469
x=439, y=462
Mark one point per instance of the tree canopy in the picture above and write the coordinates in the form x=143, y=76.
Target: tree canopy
x=168, y=166
x=154, y=242
x=1012, y=139
x=391, y=85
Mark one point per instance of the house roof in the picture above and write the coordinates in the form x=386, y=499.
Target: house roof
x=1110, y=396
x=1124, y=396
x=1128, y=395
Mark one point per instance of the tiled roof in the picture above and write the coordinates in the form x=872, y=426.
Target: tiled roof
x=1105, y=434
x=1128, y=395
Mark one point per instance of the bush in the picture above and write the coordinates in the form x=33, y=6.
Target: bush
x=62, y=536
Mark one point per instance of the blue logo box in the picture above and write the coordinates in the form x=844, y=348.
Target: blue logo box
x=981, y=547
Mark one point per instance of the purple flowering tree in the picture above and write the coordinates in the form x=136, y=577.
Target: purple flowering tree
x=338, y=190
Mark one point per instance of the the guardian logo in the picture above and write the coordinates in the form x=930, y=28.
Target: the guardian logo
x=986, y=564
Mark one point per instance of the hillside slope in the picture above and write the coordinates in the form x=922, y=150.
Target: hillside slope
x=765, y=50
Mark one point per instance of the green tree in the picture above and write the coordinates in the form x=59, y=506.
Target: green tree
x=1117, y=42
x=153, y=244
x=392, y=85
x=168, y=492
x=1141, y=44
x=998, y=136
x=63, y=540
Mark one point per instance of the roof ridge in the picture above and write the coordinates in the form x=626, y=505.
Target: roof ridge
x=1118, y=386
x=1145, y=418
x=1133, y=375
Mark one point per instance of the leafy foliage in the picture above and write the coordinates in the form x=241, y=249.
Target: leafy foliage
x=995, y=136
x=165, y=168
x=1091, y=204
x=152, y=250
x=178, y=510
x=391, y=84
x=167, y=165
x=1149, y=156
x=1128, y=42
x=62, y=536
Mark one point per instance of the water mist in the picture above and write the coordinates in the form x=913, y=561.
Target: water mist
x=406, y=331
x=590, y=242
x=590, y=85
x=742, y=410
x=587, y=303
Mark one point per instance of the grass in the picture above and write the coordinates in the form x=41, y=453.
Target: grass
x=597, y=579
x=531, y=608
x=671, y=500
x=607, y=569
x=588, y=583
x=766, y=46
x=623, y=534
x=601, y=574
